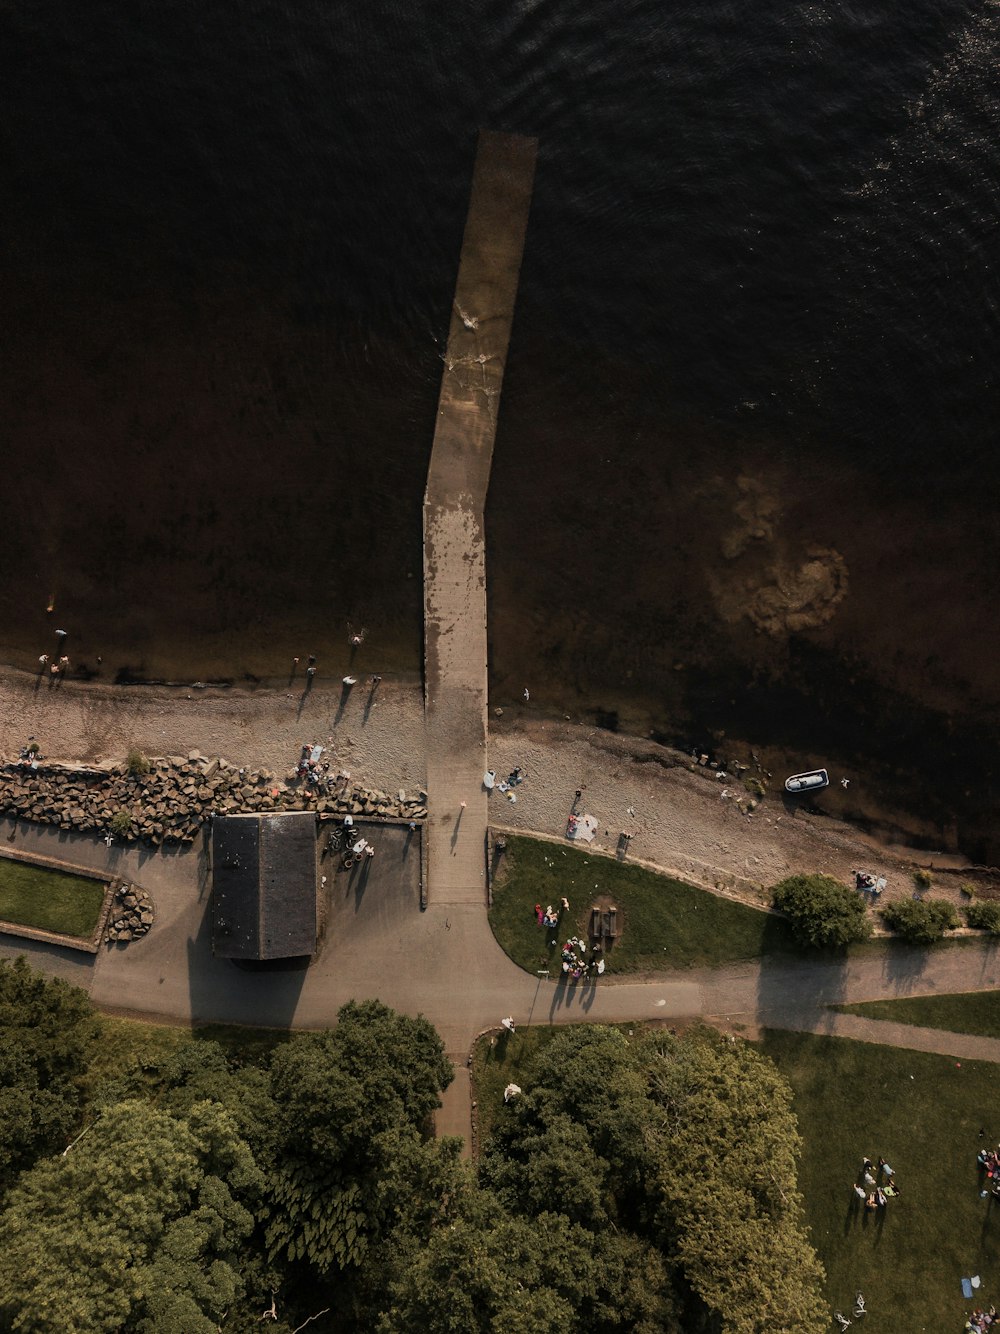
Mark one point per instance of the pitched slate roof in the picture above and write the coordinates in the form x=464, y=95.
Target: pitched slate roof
x=264, y=886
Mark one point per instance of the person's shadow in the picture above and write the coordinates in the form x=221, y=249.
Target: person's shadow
x=457, y=830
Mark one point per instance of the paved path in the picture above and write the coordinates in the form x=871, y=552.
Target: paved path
x=444, y=963
x=455, y=681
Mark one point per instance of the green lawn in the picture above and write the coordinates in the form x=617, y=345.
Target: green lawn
x=49, y=900
x=976, y=1012
x=923, y=1114
x=663, y=922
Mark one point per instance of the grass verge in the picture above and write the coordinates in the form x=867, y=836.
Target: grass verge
x=49, y=900
x=663, y=923
x=923, y=1114
x=976, y=1012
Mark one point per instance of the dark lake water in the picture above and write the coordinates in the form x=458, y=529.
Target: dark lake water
x=757, y=332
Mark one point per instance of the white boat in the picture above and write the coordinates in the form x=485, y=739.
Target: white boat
x=807, y=782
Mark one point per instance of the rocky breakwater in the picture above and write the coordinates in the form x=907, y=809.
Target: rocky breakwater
x=131, y=914
x=168, y=800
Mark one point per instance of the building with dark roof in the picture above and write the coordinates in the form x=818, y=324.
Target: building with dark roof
x=264, y=886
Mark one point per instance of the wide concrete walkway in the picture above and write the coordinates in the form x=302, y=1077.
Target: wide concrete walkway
x=455, y=680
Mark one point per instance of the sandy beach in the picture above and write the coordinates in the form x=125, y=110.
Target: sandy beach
x=681, y=823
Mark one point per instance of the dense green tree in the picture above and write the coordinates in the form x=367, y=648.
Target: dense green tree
x=201, y=1071
x=489, y=1271
x=352, y=1105
x=586, y=1104
x=137, y=1227
x=529, y=1164
x=730, y=1208
x=823, y=913
x=48, y=1030
x=920, y=921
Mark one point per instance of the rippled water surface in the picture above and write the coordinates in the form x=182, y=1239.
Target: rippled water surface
x=745, y=479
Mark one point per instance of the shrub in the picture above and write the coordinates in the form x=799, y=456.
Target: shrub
x=754, y=786
x=121, y=823
x=822, y=912
x=984, y=916
x=922, y=878
x=920, y=921
x=138, y=765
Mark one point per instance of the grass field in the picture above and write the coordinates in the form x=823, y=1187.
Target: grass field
x=49, y=900
x=975, y=1012
x=923, y=1114
x=663, y=922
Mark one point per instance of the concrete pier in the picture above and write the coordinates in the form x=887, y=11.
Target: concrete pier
x=455, y=675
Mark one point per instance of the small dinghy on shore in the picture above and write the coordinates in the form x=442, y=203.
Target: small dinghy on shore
x=807, y=782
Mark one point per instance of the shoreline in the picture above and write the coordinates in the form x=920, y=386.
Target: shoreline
x=680, y=821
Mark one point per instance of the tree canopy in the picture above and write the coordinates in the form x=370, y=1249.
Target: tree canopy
x=352, y=1105
x=639, y=1184
x=823, y=913
x=47, y=1034
x=137, y=1226
x=728, y=1148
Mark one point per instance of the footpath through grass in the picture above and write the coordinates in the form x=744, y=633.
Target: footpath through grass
x=975, y=1012
x=49, y=900
x=923, y=1114
x=663, y=923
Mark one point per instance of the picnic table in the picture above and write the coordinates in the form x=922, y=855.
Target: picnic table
x=604, y=924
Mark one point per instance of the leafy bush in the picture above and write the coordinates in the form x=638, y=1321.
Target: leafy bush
x=138, y=765
x=822, y=912
x=121, y=823
x=922, y=878
x=754, y=786
x=984, y=916
x=920, y=921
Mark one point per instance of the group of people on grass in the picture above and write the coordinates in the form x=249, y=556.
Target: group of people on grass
x=550, y=917
x=988, y=1161
x=981, y=1320
x=875, y=1186
x=575, y=963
